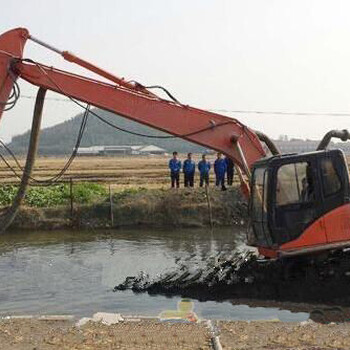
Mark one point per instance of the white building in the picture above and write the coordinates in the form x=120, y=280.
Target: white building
x=120, y=150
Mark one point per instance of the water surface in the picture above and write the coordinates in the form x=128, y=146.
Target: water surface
x=63, y=272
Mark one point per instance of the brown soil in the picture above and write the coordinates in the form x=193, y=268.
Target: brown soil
x=24, y=334
x=278, y=335
x=19, y=334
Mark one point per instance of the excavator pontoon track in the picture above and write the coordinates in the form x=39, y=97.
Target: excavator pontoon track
x=318, y=279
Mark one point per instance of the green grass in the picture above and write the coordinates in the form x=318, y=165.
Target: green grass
x=48, y=196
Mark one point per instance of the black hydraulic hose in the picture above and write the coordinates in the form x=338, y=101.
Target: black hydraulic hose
x=343, y=135
x=11, y=213
x=54, y=179
x=269, y=143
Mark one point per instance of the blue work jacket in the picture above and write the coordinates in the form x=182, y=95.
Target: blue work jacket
x=174, y=165
x=229, y=163
x=220, y=167
x=189, y=166
x=204, y=167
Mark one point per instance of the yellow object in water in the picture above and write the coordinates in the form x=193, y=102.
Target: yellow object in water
x=183, y=313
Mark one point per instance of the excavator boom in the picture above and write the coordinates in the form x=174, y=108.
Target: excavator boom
x=131, y=101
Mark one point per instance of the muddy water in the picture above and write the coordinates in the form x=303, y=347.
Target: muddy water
x=75, y=272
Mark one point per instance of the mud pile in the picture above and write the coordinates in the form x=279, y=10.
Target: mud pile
x=243, y=276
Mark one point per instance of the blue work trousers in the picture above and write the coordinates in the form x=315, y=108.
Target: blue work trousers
x=220, y=180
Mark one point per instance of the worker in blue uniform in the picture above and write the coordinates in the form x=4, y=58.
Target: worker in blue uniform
x=175, y=168
x=204, y=168
x=230, y=170
x=220, y=168
x=189, y=168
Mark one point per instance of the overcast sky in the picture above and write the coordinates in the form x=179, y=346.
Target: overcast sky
x=267, y=55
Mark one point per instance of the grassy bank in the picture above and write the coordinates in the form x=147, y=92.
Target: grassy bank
x=49, y=207
x=49, y=196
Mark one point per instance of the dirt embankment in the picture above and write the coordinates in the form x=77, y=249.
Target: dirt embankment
x=146, y=207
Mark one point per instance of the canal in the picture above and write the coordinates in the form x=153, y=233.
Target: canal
x=72, y=272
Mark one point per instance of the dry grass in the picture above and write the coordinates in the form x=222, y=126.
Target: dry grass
x=121, y=172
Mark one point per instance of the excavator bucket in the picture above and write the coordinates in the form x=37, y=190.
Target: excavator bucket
x=11, y=48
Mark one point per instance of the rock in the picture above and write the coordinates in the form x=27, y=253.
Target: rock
x=103, y=317
x=107, y=318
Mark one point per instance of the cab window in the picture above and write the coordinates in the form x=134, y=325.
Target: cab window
x=330, y=178
x=294, y=184
x=259, y=194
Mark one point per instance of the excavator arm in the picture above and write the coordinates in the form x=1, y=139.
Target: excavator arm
x=282, y=226
x=130, y=100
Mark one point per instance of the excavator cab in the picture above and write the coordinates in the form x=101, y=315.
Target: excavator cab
x=300, y=203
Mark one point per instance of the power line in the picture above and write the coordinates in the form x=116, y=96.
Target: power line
x=236, y=111
x=59, y=99
x=328, y=114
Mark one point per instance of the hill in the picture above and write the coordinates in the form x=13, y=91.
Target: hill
x=60, y=139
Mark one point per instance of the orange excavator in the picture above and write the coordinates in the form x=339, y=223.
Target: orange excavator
x=299, y=204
